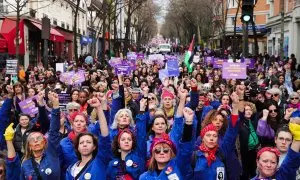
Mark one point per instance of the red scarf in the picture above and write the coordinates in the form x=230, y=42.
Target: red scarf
x=211, y=153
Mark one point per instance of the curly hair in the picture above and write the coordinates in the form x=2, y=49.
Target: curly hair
x=212, y=115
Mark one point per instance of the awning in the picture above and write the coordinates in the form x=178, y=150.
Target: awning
x=54, y=34
x=68, y=36
x=8, y=31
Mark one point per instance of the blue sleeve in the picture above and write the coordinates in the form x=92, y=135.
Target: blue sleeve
x=228, y=143
x=117, y=104
x=54, y=136
x=194, y=100
x=104, y=149
x=13, y=168
x=289, y=166
x=43, y=119
x=177, y=128
x=183, y=157
x=215, y=104
x=206, y=109
x=141, y=134
x=4, y=120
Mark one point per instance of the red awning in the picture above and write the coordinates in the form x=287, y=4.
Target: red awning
x=54, y=34
x=8, y=31
x=68, y=36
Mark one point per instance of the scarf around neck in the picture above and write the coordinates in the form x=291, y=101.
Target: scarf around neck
x=211, y=153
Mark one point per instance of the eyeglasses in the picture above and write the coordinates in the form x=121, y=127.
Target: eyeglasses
x=73, y=110
x=294, y=98
x=151, y=98
x=32, y=139
x=160, y=150
x=275, y=95
x=284, y=139
x=273, y=110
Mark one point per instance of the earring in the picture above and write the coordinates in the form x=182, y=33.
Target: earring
x=119, y=150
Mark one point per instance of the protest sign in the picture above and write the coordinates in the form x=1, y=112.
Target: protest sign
x=218, y=63
x=250, y=62
x=196, y=59
x=208, y=60
x=12, y=66
x=234, y=71
x=123, y=69
x=72, y=77
x=28, y=106
x=140, y=56
x=60, y=67
x=131, y=56
x=173, y=68
x=64, y=99
x=115, y=61
x=162, y=74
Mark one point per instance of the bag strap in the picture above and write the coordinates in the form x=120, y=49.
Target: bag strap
x=83, y=169
x=36, y=170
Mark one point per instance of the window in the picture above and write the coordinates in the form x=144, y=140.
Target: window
x=45, y=15
x=54, y=21
x=78, y=31
x=232, y=20
x=83, y=32
x=68, y=26
x=254, y=18
x=32, y=13
x=233, y=3
x=62, y=24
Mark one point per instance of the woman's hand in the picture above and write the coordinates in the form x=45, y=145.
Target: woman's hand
x=40, y=98
x=10, y=91
x=188, y=115
x=265, y=114
x=53, y=97
x=143, y=104
x=94, y=102
x=9, y=132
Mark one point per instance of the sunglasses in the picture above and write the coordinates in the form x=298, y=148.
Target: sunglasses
x=160, y=150
x=274, y=110
x=275, y=95
x=32, y=139
x=294, y=98
x=73, y=110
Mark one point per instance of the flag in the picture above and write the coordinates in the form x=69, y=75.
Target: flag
x=188, y=55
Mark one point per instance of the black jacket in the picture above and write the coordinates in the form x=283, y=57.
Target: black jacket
x=19, y=139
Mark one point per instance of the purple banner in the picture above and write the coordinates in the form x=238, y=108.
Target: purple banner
x=28, y=106
x=123, y=69
x=173, y=68
x=234, y=71
x=218, y=63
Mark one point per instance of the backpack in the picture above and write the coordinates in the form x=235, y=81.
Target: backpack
x=219, y=154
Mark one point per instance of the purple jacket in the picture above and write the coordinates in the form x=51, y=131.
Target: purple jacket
x=265, y=130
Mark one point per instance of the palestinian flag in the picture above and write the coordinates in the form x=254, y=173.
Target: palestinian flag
x=188, y=55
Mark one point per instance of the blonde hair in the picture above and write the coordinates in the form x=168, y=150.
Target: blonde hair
x=28, y=153
x=152, y=162
x=251, y=105
x=115, y=123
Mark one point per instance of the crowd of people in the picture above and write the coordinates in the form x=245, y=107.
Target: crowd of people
x=138, y=126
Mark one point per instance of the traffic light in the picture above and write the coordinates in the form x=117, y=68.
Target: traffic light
x=247, y=11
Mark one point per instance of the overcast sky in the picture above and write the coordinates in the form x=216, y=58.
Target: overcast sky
x=164, y=6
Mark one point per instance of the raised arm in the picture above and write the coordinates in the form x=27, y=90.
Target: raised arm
x=13, y=164
x=194, y=95
x=263, y=128
x=54, y=136
x=141, y=129
x=43, y=117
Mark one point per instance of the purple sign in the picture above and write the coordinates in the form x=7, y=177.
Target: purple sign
x=173, y=68
x=28, y=106
x=250, y=62
x=64, y=98
x=162, y=74
x=115, y=61
x=234, y=71
x=131, y=56
x=123, y=69
x=72, y=77
x=140, y=56
x=218, y=63
x=208, y=60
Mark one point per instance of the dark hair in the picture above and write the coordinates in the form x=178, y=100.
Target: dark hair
x=76, y=144
x=23, y=114
x=283, y=128
x=115, y=146
x=152, y=123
